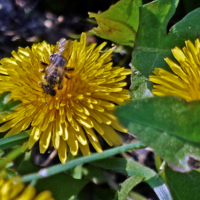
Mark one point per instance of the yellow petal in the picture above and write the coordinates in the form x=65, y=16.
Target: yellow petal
x=80, y=135
x=16, y=129
x=27, y=194
x=85, y=149
x=116, y=125
x=65, y=131
x=178, y=54
x=62, y=151
x=95, y=144
x=45, y=139
x=111, y=134
x=97, y=127
x=72, y=142
x=55, y=139
x=176, y=69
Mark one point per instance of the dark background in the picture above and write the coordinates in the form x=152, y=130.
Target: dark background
x=23, y=22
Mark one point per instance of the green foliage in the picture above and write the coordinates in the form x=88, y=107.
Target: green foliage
x=153, y=43
x=94, y=173
x=168, y=114
x=120, y=23
x=7, y=105
x=14, y=140
x=157, y=120
x=134, y=169
x=139, y=88
x=127, y=186
x=183, y=185
x=94, y=191
x=168, y=125
x=61, y=185
x=10, y=157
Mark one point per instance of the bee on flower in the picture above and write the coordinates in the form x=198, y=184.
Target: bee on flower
x=68, y=92
x=55, y=70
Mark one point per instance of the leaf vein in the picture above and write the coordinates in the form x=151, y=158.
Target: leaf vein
x=155, y=50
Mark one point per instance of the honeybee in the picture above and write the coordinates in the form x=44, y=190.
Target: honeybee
x=55, y=70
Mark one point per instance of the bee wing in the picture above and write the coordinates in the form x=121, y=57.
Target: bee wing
x=50, y=69
x=60, y=45
x=57, y=61
x=64, y=47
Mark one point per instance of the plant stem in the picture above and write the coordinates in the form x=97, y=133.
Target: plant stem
x=46, y=172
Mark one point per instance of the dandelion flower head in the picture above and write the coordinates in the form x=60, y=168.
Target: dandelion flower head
x=184, y=80
x=14, y=189
x=68, y=120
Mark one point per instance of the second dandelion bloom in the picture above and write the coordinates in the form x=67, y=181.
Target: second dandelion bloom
x=67, y=117
x=184, y=80
x=15, y=189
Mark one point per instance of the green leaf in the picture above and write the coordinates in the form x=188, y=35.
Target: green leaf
x=170, y=114
x=157, y=120
x=132, y=168
x=127, y=167
x=127, y=186
x=153, y=44
x=94, y=174
x=27, y=166
x=95, y=192
x=139, y=88
x=119, y=23
x=7, y=106
x=136, y=196
x=10, y=157
x=61, y=185
x=183, y=186
x=77, y=172
x=10, y=173
x=11, y=141
x=18, y=161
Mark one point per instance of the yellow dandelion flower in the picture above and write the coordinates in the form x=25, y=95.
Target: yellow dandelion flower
x=14, y=189
x=184, y=82
x=64, y=115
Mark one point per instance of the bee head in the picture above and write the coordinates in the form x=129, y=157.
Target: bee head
x=49, y=90
x=52, y=92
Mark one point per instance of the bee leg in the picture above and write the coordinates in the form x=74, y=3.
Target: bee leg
x=60, y=85
x=41, y=70
x=69, y=69
x=44, y=77
x=46, y=101
x=43, y=63
x=66, y=76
